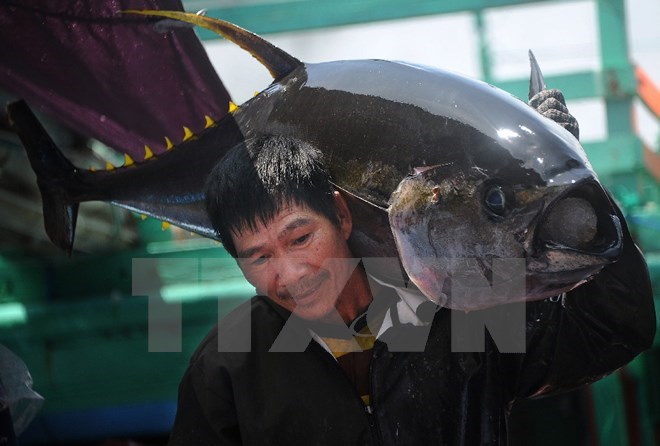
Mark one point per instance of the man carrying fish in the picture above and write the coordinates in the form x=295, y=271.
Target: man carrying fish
x=339, y=163
x=324, y=363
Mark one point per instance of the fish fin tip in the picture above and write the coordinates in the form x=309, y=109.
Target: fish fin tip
x=168, y=144
x=354, y=197
x=536, y=80
x=59, y=221
x=209, y=122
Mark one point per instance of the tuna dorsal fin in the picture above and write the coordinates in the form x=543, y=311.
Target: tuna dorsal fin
x=536, y=81
x=278, y=62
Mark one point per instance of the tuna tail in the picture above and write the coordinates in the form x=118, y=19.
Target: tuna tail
x=278, y=62
x=55, y=175
x=536, y=80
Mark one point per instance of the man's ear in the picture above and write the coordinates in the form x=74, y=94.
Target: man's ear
x=343, y=215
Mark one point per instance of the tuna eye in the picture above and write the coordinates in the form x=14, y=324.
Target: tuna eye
x=495, y=200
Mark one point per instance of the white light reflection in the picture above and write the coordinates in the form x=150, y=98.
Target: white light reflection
x=12, y=313
x=507, y=134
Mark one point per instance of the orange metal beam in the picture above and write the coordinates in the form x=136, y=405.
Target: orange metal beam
x=648, y=91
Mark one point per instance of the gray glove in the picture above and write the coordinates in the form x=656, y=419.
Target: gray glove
x=551, y=104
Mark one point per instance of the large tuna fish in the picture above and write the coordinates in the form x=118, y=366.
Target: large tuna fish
x=443, y=172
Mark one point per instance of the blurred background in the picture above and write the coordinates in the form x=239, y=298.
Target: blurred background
x=107, y=357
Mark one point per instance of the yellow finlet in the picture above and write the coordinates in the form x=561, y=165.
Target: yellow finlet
x=256, y=93
x=165, y=225
x=109, y=166
x=168, y=142
x=187, y=133
x=143, y=216
x=232, y=107
x=147, y=152
x=209, y=121
x=128, y=161
x=91, y=168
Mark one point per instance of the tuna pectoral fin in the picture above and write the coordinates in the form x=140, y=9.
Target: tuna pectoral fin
x=56, y=176
x=372, y=238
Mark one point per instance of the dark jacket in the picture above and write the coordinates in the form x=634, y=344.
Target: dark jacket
x=433, y=397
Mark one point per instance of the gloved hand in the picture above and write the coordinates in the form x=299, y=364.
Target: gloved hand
x=551, y=104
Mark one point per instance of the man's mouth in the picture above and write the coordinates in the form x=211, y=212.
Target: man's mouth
x=305, y=289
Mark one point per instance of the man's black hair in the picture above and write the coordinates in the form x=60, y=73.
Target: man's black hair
x=258, y=178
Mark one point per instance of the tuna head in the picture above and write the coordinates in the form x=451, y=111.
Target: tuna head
x=521, y=216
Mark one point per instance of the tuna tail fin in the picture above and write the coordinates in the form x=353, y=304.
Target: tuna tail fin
x=54, y=174
x=536, y=80
x=278, y=62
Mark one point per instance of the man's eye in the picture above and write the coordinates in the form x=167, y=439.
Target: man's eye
x=301, y=240
x=259, y=261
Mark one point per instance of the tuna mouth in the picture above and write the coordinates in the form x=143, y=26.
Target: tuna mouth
x=579, y=227
x=545, y=285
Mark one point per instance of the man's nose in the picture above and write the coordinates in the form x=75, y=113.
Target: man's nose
x=291, y=271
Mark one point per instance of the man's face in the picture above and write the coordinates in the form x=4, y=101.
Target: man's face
x=300, y=260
